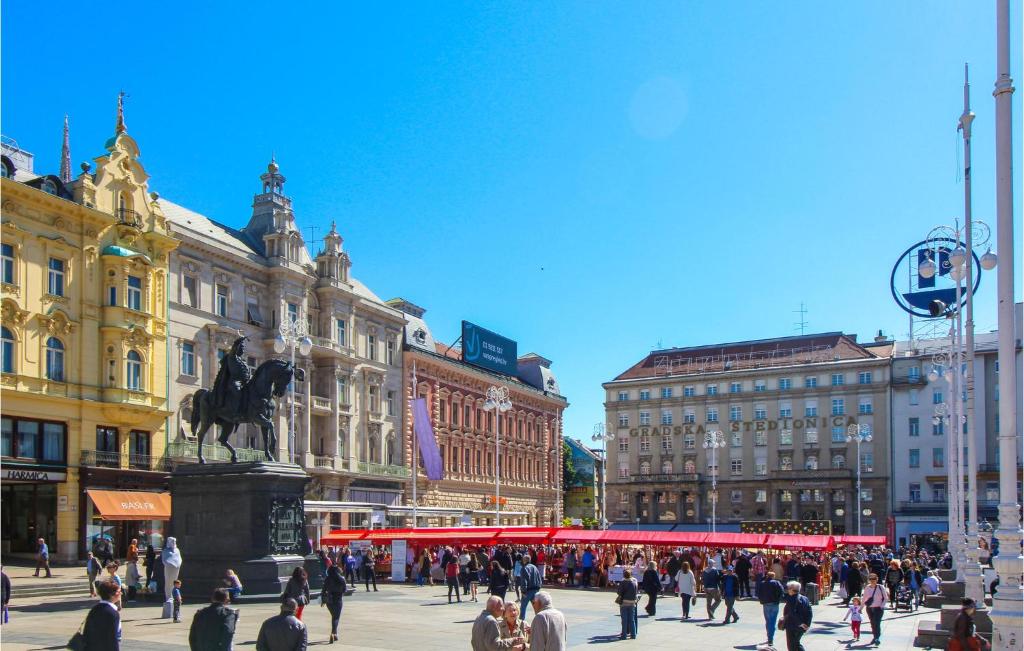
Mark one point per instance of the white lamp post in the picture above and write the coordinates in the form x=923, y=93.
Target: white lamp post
x=292, y=334
x=497, y=402
x=712, y=441
x=602, y=436
x=860, y=434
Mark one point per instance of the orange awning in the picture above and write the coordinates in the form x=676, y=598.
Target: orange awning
x=131, y=505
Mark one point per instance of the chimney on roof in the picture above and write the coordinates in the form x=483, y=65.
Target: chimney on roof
x=879, y=338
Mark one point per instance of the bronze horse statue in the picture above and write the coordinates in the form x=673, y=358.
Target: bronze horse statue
x=270, y=381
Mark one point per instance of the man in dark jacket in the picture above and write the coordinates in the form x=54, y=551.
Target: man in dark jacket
x=769, y=593
x=796, y=616
x=672, y=567
x=213, y=627
x=808, y=572
x=102, y=630
x=711, y=579
x=283, y=632
x=743, y=574
x=730, y=591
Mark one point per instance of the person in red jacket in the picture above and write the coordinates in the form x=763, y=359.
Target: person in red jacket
x=451, y=577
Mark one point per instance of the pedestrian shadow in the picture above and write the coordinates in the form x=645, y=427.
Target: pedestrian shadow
x=603, y=639
x=49, y=648
x=749, y=647
x=668, y=619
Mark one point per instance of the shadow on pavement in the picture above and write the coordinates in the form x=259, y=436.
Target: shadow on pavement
x=603, y=639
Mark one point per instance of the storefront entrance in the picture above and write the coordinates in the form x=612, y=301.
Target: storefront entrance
x=29, y=512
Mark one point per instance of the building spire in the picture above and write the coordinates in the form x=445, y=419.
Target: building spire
x=120, y=112
x=65, y=154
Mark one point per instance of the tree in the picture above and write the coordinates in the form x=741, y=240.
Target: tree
x=568, y=470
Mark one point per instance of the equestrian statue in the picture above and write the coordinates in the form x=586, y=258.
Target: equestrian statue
x=240, y=395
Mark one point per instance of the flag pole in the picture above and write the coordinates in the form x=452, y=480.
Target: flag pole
x=415, y=451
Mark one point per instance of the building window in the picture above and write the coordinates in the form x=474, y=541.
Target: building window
x=760, y=412
x=645, y=394
x=838, y=380
x=623, y=445
x=811, y=437
x=936, y=397
x=666, y=416
x=645, y=418
x=645, y=467
x=760, y=439
x=339, y=332
x=374, y=399
x=690, y=466
x=343, y=397
x=222, y=301
x=760, y=495
x=760, y=385
x=786, y=496
x=865, y=406
x=785, y=410
x=645, y=444
x=810, y=410
x=134, y=293
x=915, y=458
x=7, y=263
x=666, y=442
x=864, y=377
x=713, y=469
x=188, y=358
x=786, y=437
x=915, y=492
x=867, y=494
x=760, y=467
x=785, y=384
x=914, y=373
x=623, y=420
x=112, y=296
x=785, y=463
x=32, y=439
x=867, y=461
x=811, y=463
x=390, y=403
x=838, y=461
x=293, y=312
x=735, y=413
x=712, y=414
x=938, y=492
x=6, y=350
x=810, y=382
x=938, y=427
x=838, y=406
x=391, y=352
x=736, y=496
x=689, y=416
x=190, y=291
x=623, y=396
x=689, y=392
x=915, y=426
x=736, y=440
x=711, y=390
x=55, y=277
x=134, y=370
x=938, y=458
x=735, y=387
x=689, y=441
x=838, y=435
x=371, y=347
x=54, y=359
x=666, y=392
x=736, y=466
x=914, y=397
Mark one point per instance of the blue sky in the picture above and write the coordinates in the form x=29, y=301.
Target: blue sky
x=591, y=179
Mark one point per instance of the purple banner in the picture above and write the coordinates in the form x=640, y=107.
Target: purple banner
x=425, y=436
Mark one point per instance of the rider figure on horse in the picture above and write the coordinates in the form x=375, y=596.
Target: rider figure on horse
x=232, y=377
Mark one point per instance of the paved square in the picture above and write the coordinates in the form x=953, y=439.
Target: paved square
x=406, y=617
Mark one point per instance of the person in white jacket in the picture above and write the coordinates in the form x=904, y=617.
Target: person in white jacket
x=686, y=586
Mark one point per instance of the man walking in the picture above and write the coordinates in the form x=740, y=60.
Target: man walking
x=42, y=558
x=213, y=627
x=730, y=592
x=796, y=616
x=743, y=566
x=283, y=632
x=711, y=577
x=548, y=630
x=531, y=584
x=769, y=593
x=486, y=635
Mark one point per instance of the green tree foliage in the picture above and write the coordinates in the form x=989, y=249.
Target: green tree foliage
x=568, y=470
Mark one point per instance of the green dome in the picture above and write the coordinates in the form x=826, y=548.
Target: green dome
x=121, y=251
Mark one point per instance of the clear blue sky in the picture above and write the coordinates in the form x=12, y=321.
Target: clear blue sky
x=592, y=179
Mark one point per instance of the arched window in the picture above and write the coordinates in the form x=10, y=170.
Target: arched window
x=811, y=463
x=5, y=171
x=838, y=461
x=645, y=468
x=666, y=467
x=54, y=359
x=390, y=451
x=134, y=371
x=7, y=350
x=690, y=466
x=49, y=187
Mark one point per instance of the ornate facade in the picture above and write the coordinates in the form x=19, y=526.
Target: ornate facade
x=85, y=276
x=530, y=433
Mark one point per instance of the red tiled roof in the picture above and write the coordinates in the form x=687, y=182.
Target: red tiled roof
x=762, y=353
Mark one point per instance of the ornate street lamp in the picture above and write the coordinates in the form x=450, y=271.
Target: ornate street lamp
x=292, y=334
x=714, y=440
x=498, y=402
x=858, y=433
x=603, y=436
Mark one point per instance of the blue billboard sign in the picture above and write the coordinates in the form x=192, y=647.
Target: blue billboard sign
x=914, y=292
x=489, y=350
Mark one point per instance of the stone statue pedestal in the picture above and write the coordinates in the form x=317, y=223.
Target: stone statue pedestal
x=247, y=517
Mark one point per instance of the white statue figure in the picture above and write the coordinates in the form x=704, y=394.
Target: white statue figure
x=171, y=557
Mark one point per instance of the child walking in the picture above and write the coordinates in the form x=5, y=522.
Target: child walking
x=855, y=613
x=176, y=596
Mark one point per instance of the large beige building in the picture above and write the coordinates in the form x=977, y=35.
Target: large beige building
x=783, y=407
x=228, y=282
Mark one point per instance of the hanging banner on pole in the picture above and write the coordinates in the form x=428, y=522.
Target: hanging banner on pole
x=425, y=437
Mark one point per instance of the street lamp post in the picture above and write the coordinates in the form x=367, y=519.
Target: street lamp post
x=602, y=436
x=497, y=402
x=860, y=434
x=292, y=334
x=712, y=441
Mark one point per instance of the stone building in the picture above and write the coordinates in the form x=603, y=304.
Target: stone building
x=227, y=282
x=530, y=434
x=84, y=378
x=783, y=407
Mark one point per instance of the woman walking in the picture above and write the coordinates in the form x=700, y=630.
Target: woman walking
x=686, y=586
x=499, y=580
x=473, y=569
x=854, y=583
x=331, y=595
x=297, y=589
x=424, y=571
x=893, y=579
x=965, y=637
x=92, y=568
x=627, y=595
x=652, y=586
x=875, y=600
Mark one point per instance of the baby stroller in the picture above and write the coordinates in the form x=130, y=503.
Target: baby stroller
x=905, y=598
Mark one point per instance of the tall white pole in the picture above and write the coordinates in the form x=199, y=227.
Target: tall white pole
x=859, y=513
x=956, y=436
x=974, y=588
x=415, y=452
x=714, y=487
x=497, y=468
x=291, y=407
x=1006, y=605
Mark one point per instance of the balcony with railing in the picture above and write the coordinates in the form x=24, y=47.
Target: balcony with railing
x=671, y=477
x=128, y=217
x=131, y=461
x=383, y=470
x=321, y=404
x=821, y=473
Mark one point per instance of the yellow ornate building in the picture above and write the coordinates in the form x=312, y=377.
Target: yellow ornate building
x=84, y=350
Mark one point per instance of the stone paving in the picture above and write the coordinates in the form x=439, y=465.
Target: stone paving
x=404, y=617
